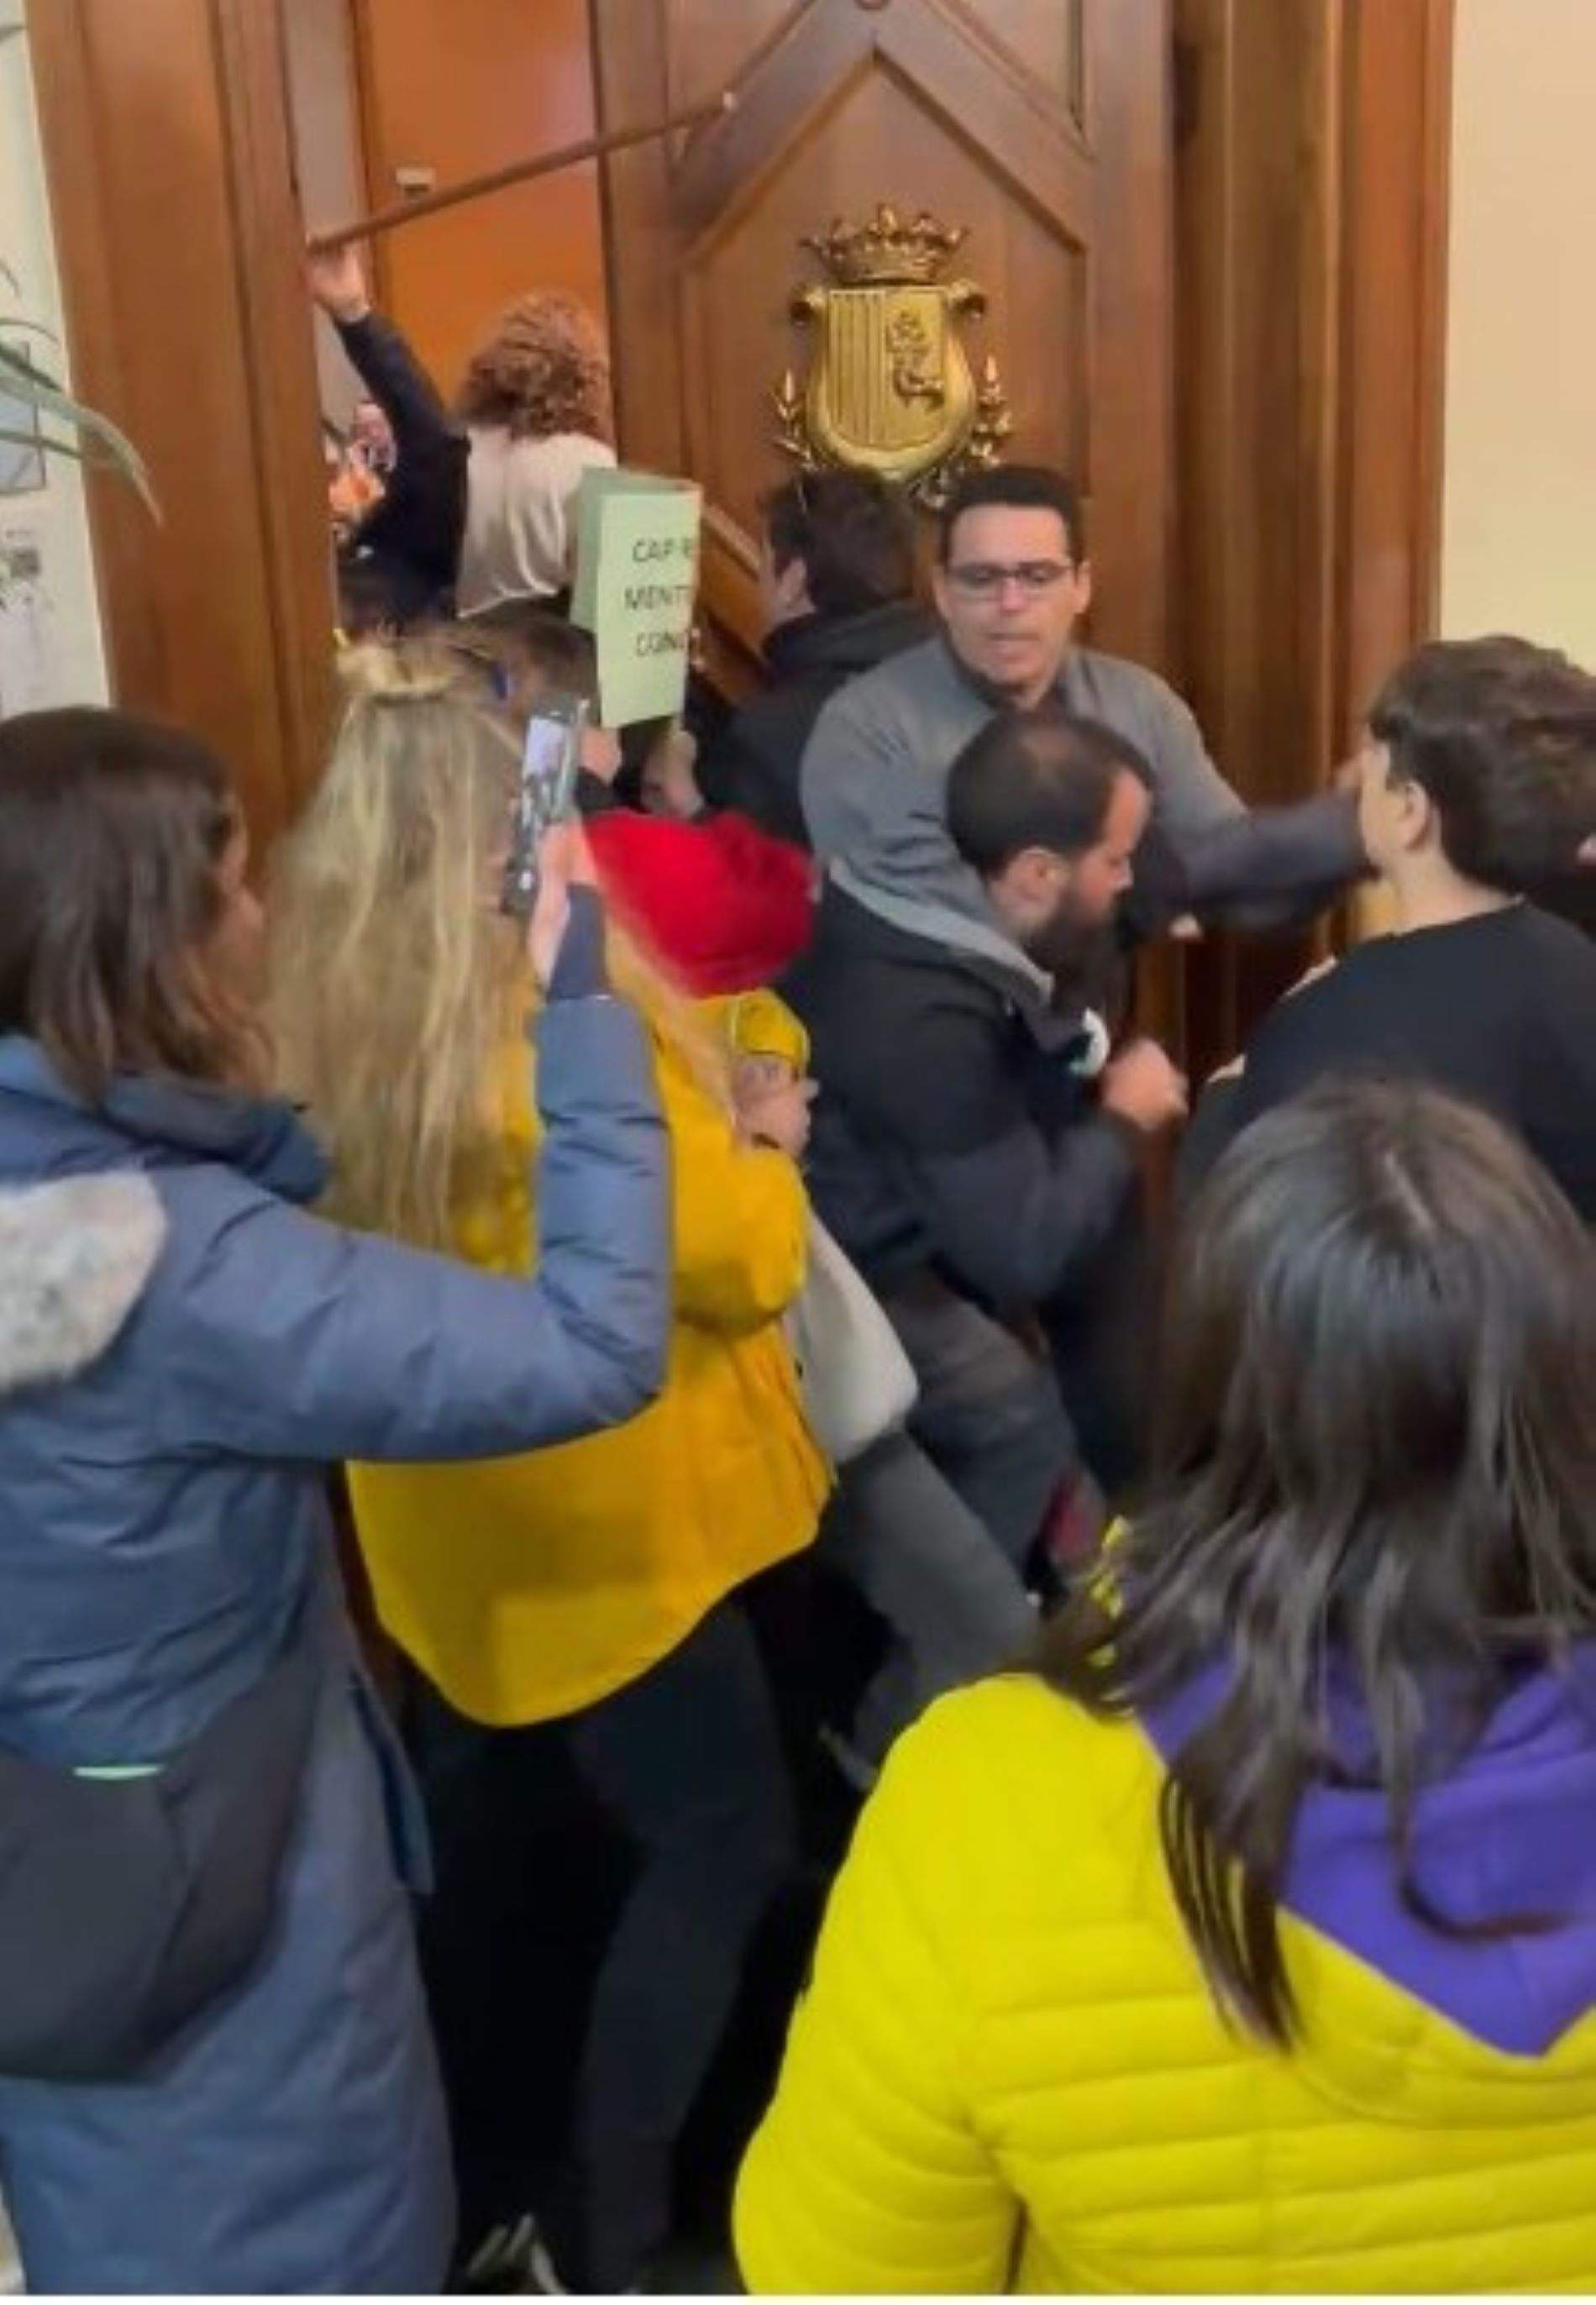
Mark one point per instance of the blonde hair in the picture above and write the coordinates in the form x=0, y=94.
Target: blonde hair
x=394, y=980
x=397, y=982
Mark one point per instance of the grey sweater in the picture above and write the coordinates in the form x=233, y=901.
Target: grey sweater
x=876, y=770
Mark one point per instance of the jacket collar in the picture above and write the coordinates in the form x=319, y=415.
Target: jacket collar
x=1503, y=1842
x=145, y=1121
x=856, y=920
x=819, y=642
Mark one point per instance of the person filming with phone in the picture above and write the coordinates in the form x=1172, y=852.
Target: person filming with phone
x=589, y=1594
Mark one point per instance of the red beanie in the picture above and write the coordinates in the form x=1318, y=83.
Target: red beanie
x=724, y=905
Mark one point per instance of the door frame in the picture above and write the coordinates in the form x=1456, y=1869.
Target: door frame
x=1311, y=321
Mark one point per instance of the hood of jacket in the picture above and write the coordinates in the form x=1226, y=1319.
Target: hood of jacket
x=855, y=925
x=1504, y=1855
x=845, y=645
x=81, y=1220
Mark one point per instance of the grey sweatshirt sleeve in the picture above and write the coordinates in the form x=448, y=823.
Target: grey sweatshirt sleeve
x=873, y=798
x=1253, y=868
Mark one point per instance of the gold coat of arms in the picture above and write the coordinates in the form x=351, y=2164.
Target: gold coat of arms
x=890, y=389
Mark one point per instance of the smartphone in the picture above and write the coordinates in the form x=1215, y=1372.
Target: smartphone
x=545, y=792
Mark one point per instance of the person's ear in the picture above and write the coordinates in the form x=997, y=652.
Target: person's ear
x=1083, y=587
x=939, y=587
x=1418, y=819
x=790, y=587
x=1037, y=878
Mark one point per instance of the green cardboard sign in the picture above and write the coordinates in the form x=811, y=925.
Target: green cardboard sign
x=637, y=539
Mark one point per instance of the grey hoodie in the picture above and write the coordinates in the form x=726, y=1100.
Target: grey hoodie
x=875, y=778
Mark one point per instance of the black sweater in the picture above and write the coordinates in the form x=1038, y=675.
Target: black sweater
x=1500, y=1010
x=754, y=764
x=407, y=546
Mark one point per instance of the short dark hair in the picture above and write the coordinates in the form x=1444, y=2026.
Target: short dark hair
x=1028, y=488
x=853, y=534
x=1038, y=779
x=113, y=830
x=1501, y=735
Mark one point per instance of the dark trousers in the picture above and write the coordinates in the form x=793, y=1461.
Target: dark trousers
x=686, y=1762
x=955, y=1604
x=990, y=1416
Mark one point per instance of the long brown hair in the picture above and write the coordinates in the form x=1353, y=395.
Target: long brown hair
x=113, y=834
x=1377, y=1453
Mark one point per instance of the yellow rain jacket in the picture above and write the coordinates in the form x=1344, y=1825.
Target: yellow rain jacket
x=527, y=1588
x=1008, y=2072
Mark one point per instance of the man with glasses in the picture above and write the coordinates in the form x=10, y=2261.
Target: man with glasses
x=1012, y=583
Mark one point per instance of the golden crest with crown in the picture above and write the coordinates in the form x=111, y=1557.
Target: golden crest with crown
x=890, y=389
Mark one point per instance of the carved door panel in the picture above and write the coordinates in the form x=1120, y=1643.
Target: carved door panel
x=1040, y=125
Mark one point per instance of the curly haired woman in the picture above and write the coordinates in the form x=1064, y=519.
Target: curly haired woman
x=537, y=403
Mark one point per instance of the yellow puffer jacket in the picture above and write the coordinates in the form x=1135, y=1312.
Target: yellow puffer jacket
x=527, y=1588
x=1007, y=2072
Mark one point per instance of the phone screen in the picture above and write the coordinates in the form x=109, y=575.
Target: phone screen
x=545, y=793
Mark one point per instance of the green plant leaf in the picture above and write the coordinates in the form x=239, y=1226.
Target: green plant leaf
x=24, y=379
x=96, y=459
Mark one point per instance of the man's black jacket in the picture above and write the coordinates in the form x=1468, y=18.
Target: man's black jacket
x=754, y=765
x=952, y=1132
x=407, y=546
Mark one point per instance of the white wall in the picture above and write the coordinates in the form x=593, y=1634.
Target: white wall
x=325, y=106
x=1519, y=521
x=60, y=654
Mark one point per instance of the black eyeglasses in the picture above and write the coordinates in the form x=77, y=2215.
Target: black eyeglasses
x=983, y=580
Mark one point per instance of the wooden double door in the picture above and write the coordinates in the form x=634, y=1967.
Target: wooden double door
x=1041, y=126
x=1211, y=236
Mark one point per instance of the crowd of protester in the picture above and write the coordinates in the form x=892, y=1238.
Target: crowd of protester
x=825, y=1418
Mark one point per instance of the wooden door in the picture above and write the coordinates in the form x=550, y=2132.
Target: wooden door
x=1041, y=125
x=450, y=91
x=167, y=143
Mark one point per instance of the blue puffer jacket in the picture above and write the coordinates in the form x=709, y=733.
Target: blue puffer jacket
x=182, y=1348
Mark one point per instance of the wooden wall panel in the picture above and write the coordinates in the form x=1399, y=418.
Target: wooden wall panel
x=1311, y=220
x=1397, y=164
x=167, y=147
x=966, y=107
x=708, y=45
x=1049, y=42
x=461, y=88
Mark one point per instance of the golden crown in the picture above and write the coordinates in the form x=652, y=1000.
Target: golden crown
x=887, y=249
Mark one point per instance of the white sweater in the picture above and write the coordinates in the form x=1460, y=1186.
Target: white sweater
x=518, y=541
